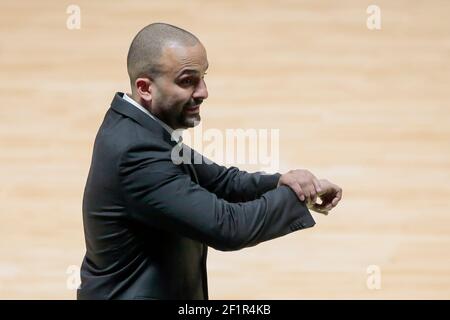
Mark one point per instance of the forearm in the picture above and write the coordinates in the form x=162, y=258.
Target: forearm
x=235, y=185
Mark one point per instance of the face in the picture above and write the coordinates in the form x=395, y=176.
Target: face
x=175, y=96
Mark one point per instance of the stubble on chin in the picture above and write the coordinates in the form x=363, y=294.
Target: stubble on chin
x=192, y=121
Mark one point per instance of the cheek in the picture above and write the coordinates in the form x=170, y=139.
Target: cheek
x=181, y=96
x=166, y=99
x=174, y=103
x=174, y=97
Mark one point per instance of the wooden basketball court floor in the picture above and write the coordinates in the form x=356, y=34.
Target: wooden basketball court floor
x=366, y=109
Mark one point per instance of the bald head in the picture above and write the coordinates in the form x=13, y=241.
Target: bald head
x=167, y=66
x=147, y=47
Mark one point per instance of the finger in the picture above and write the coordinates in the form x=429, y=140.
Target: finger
x=306, y=192
x=338, y=197
x=313, y=194
x=310, y=192
x=339, y=194
x=317, y=185
x=298, y=190
x=335, y=202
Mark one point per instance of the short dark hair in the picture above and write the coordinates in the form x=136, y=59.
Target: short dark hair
x=146, y=48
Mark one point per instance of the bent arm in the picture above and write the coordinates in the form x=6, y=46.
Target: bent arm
x=160, y=194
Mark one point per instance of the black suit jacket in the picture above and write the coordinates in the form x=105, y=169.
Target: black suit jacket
x=148, y=222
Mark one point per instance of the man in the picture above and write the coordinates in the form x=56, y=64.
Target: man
x=148, y=221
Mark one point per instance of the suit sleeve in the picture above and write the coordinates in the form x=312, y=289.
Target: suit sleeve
x=161, y=195
x=232, y=184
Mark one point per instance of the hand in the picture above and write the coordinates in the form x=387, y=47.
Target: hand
x=330, y=195
x=303, y=183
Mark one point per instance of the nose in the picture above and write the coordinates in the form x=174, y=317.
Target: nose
x=201, y=91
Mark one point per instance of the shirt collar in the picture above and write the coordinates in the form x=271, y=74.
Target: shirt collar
x=176, y=135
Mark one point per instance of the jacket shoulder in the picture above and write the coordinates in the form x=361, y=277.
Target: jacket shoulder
x=119, y=133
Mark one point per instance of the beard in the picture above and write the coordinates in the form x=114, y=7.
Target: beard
x=187, y=120
x=177, y=116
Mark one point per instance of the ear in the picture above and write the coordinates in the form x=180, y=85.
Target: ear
x=144, y=89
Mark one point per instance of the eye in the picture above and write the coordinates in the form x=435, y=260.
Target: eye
x=188, y=81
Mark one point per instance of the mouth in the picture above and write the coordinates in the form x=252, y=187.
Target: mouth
x=193, y=109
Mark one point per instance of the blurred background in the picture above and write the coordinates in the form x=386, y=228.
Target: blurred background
x=368, y=109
